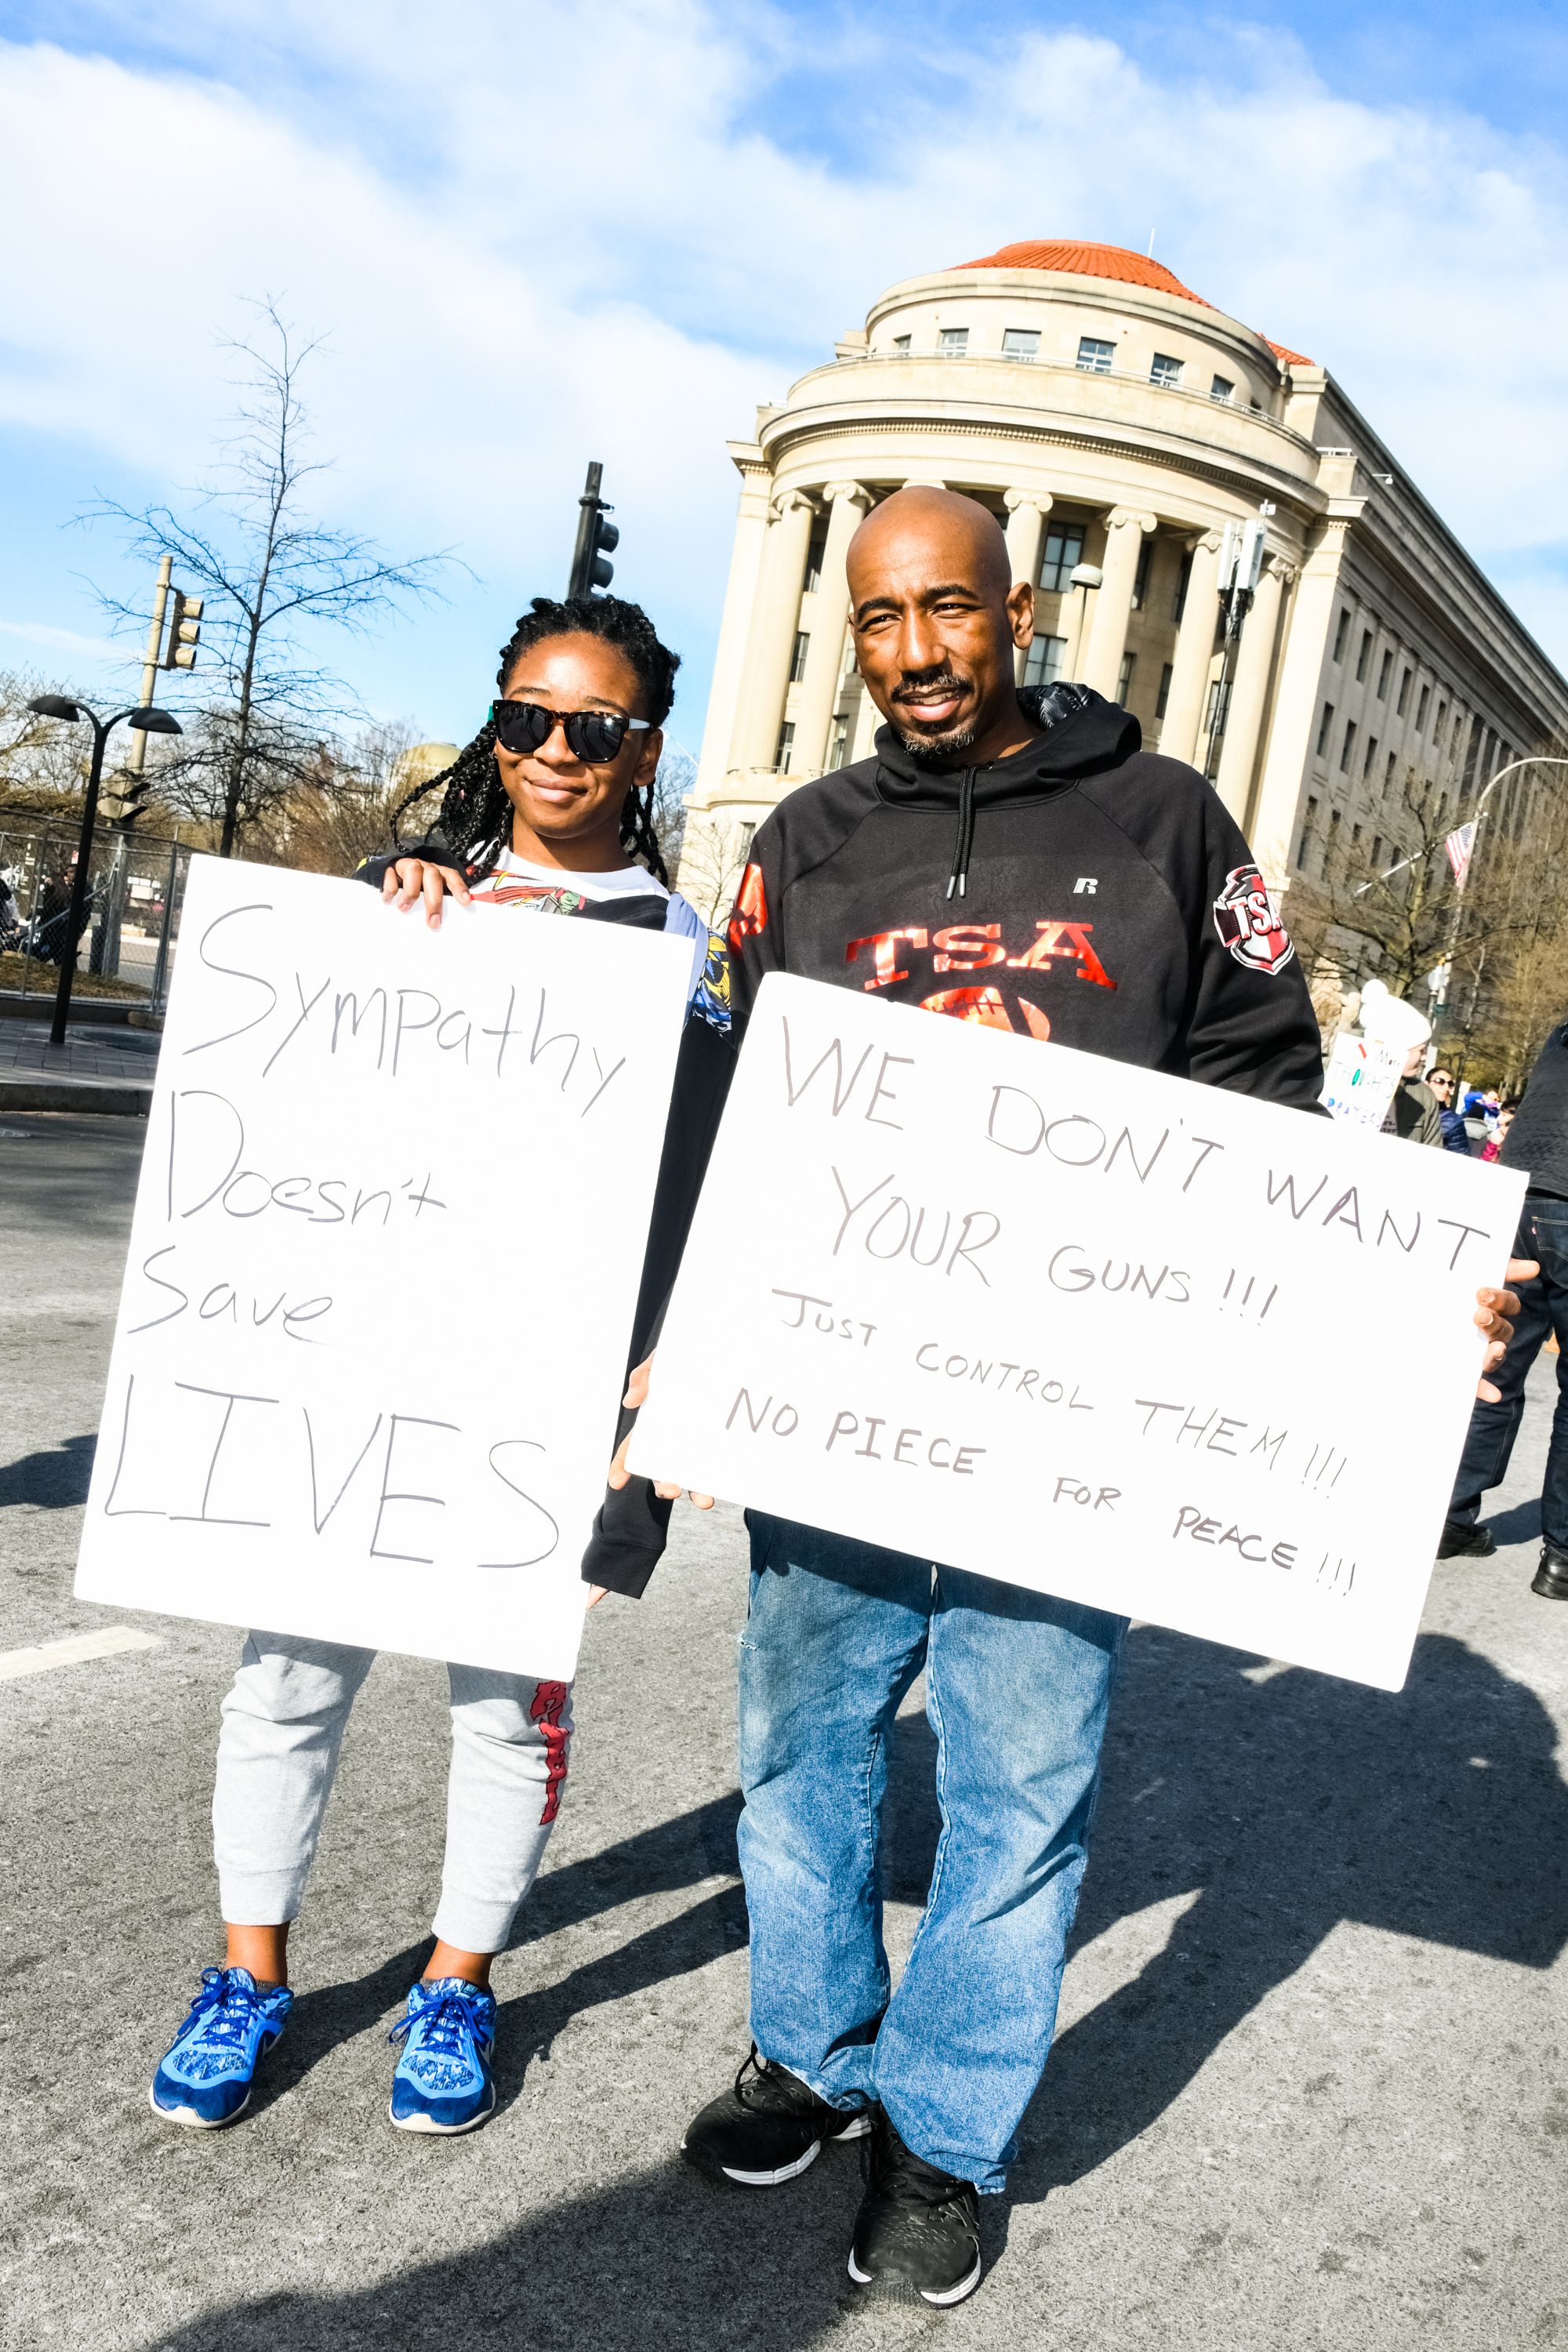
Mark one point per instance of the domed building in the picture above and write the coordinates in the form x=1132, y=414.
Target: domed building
x=1216, y=538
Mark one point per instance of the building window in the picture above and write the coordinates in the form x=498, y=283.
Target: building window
x=1164, y=696
x=1220, y=388
x=1371, y=756
x=1308, y=826
x=1124, y=678
x=1183, y=580
x=797, y=660
x=1331, y=846
x=1346, y=747
x=1064, y=549
x=747, y=828
x=1165, y=372
x=786, y=746
x=1043, y=662
x=1219, y=703
x=1385, y=668
x=1020, y=344
x=902, y=345
x=953, y=342
x=1364, y=656
x=1094, y=356
x=1325, y=724
x=816, y=548
x=839, y=744
x=1437, y=730
x=1388, y=774
x=1399, y=706
x=1341, y=633
x=1421, y=700
x=1377, y=853
x=1141, y=577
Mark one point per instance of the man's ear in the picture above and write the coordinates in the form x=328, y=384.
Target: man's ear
x=1021, y=611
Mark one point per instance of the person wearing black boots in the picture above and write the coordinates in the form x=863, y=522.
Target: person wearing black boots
x=1537, y=1139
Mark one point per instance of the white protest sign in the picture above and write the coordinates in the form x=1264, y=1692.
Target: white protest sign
x=382, y=1268
x=1358, y=1083
x=1137, y=1342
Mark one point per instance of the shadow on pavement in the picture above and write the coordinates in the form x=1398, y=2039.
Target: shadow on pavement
x=1290, y=1804
x=54, y=1478
x=1519, y=1523
x=1286, y=1803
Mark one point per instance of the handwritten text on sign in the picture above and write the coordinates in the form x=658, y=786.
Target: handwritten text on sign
x=385, y=1255
x=1081, y=1326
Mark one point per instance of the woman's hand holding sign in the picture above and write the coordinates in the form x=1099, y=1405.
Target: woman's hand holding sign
x=633, y=1398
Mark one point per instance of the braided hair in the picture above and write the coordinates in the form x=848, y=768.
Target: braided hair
x=474, y=821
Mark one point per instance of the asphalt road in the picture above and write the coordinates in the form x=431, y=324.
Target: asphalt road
x=1312, y=2088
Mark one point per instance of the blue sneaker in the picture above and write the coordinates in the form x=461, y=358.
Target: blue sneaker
x=205, y=2076
x=442, y=2082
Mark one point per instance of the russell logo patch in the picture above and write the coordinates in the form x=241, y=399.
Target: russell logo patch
x=1248, y=922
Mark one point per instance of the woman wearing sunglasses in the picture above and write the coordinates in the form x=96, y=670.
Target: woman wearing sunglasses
x=550, y=809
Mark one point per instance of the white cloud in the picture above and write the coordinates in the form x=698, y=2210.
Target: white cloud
x=63, y=641
x=545, y=232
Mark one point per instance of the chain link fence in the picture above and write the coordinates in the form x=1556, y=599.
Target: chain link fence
x=126, y=944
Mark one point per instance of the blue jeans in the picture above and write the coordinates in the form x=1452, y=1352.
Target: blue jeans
x=1017, y=1688
x=1543, y=1308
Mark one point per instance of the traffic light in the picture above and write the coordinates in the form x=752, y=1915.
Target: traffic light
x=597, y=540
x=184, y=631
x=125, y=796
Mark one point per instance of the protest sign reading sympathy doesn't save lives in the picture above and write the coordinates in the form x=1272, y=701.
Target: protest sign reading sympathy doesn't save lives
x=382, y=1268
x=1081, y=1326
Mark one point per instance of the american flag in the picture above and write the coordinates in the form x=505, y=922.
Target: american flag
x=1459, y=846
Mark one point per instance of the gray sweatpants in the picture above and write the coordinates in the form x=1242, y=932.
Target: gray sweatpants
x=283, y=1726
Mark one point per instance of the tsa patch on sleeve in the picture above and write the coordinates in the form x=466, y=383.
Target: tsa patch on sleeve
x=1248, y=922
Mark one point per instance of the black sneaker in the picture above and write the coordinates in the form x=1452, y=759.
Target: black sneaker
x=1550, y=1579
x=917, y=2235
x=1460, y=1540
x=768, y=2128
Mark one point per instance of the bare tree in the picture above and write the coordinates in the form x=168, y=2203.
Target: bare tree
x=676, y=775
x=268, y=573
x=345, y=813
x=712, y=860
x=1380, y=896
x=43, y=765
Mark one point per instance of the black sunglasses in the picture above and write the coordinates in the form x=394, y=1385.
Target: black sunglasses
x=593, y=736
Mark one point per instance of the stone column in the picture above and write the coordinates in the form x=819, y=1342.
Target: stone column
x=1194, y=651
x=1249, y=690
x=740, y=597
x=771, y=640
x=1297, y=702
x=1027, y=510
x=818, y=697
x=1126, y=529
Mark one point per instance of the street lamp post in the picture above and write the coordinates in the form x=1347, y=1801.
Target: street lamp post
x=145, y=721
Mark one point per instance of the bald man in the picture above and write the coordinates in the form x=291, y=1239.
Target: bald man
x=1017, y=859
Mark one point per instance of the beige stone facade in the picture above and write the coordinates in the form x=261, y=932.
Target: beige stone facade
x=1116, y=425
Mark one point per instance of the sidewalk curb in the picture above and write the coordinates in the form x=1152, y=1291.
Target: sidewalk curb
x=101, y=1095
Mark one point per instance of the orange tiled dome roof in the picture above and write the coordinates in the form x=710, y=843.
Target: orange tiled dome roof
x=1105, y=261
x=1088, y=261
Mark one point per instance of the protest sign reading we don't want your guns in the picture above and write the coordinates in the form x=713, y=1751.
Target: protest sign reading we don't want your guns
x=1134, y=1342
x=382, y=1268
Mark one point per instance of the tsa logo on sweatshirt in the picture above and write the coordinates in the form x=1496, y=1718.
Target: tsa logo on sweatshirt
x=1248, y=922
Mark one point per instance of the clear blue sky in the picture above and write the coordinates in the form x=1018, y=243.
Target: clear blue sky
x=538, y=232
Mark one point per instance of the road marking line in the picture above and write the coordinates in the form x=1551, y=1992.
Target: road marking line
x=72, y=1651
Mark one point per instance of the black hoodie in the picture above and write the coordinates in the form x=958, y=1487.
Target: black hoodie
x=1083, y=889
